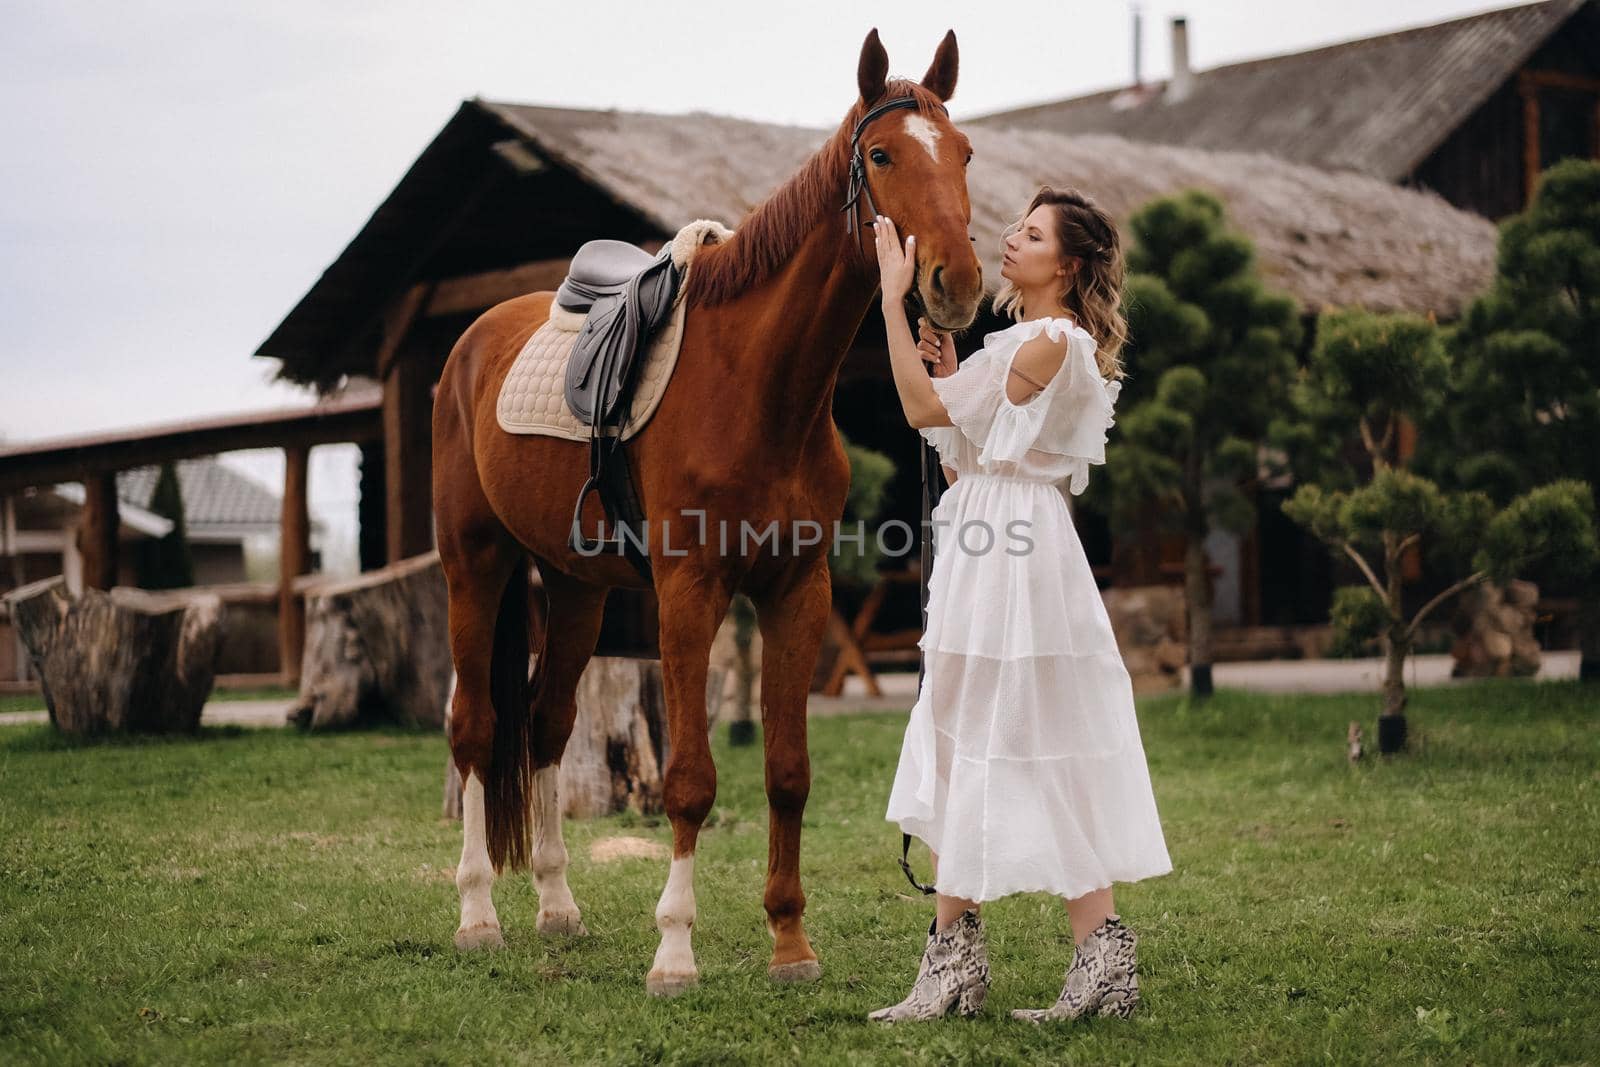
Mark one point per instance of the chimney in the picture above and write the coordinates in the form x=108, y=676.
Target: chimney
x=1182, y=77
x=1138, y=49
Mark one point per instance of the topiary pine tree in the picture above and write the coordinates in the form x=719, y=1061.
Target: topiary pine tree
x=1210, y=360
x=166, y=562
x=1367, y=372
x=1527, y=364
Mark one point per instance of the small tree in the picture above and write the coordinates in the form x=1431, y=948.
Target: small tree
x=1210, y=360
x=1526, y=359
x=166, y=562
x=1368, y=372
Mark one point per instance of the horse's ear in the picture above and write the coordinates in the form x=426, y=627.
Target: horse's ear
x=941, y=77
x=872, y=70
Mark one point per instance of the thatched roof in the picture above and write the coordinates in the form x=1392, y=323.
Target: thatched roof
x=1379, y=105
x=1324, y=238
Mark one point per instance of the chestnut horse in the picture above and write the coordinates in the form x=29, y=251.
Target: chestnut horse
x=743, y=433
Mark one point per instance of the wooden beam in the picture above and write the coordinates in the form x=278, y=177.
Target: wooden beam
x=1555, y=79
x=97, y=531
x=294, y=559
x=475, y=292
x=397, y=323
x=80, y=458
x=408, y=459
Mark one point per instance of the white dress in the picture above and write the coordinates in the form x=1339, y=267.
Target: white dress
x=1022, y=765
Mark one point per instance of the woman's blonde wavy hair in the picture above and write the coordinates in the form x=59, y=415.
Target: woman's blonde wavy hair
x=1093, y=297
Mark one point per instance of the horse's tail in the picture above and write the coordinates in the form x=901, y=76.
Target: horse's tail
x=507, y=785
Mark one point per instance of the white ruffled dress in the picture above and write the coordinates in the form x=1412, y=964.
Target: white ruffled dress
x=1022, y=765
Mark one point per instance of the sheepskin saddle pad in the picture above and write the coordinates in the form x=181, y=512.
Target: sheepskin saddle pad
x=533, y=396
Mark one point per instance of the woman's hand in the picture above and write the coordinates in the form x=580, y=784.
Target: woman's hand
x=896, y=267
x=936, y=347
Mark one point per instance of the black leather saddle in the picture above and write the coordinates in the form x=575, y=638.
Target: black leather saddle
x=627, y=295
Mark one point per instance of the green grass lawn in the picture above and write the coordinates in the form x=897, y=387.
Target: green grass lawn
x=265, y=895
x=35, y=702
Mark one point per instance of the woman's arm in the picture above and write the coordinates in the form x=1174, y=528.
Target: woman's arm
x=897, y=267
x=1036, y=363
x=921, y=404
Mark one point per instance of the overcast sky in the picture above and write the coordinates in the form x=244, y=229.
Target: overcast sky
x=174, y=174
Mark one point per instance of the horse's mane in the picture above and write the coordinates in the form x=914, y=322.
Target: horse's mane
x=771, y=233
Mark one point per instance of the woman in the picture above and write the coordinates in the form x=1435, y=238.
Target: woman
x=1022, y=768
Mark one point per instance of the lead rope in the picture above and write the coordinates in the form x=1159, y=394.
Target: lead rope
x=859, y=188
x=930, y=472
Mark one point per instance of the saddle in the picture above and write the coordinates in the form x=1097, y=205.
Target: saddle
x=627, y=296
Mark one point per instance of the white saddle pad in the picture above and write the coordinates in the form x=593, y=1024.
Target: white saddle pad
x=533, y=396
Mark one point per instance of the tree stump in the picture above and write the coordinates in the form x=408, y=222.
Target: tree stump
x=123, y=661
x=618, y=749
x=377, y=648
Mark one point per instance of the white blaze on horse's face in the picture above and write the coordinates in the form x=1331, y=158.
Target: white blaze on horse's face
x=926, y=133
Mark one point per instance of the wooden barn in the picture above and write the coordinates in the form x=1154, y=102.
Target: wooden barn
x=1473, y=109
x=496, y=205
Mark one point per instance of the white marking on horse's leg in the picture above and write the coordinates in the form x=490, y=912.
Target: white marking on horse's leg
x=674, y=969
x=924, y=131
x=558, y=912
x=480, y=928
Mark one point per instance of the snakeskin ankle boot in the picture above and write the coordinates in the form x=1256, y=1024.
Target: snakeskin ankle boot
x=1103, y=978
x=954, y=975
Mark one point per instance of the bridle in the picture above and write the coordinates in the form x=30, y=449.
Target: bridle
x=858, y=171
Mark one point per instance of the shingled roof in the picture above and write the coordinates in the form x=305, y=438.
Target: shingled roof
x=215, y=497
x=1378, y=106
x=1325, y=238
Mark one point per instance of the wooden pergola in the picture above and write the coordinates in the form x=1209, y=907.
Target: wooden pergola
x=95, y=461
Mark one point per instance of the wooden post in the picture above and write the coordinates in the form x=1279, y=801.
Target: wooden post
x=408, y=459
x=373, y=539
x=1250, y=568
x=294, y=559
x=1405, y=449
x=97, y=531
x=1529, y=91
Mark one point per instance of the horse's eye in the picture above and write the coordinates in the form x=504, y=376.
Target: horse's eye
x=880, y=157
x=969, y=158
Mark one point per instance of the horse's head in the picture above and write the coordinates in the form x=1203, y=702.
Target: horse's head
x=910, y=163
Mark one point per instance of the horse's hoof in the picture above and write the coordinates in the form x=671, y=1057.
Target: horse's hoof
x=561, y=924
x=799, y=971
x=660, y=984
x=482, y=935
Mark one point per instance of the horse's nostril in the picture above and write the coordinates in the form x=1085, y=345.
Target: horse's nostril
x=937, y=271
